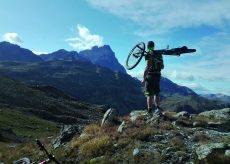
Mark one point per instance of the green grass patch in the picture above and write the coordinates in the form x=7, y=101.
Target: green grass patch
x=25, y=125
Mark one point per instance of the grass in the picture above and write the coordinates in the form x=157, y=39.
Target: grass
x=96, y=146
x=201, y=138
x=25, y=125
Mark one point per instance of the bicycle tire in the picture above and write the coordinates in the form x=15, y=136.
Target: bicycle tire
x=140, y=48
x=24, y=160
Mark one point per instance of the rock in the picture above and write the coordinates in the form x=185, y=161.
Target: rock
x=66, y=134
x=136, y=151
x=121, y=127
x=109, y=116
x=155, y=118
x=204, y=151
x=227, y=153
x=198, y=124
x=218, y=114
x=136, y=114
x=182, y=114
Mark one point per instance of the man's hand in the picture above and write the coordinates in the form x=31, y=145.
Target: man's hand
x=143, y=80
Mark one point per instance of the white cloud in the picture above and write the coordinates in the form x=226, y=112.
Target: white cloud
x=12, y=38
x=138, y=74
x=182, y=75
x=84, y=39
x=161, y=16
x=197, y=88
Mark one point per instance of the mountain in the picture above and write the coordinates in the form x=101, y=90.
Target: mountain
x=220, y=97
x=83, y=80
x=190, y=103
x=63, y=55
x=169, y=88
x=87, y=81
x=12, y=52
x=98, y=85
x=103, y=56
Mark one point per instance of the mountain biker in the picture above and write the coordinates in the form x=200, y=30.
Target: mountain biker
x=152, y=75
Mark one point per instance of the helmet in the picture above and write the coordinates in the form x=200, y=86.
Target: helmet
x=150, y=45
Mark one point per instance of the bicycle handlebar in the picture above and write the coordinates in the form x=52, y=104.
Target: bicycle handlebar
x=50, y=156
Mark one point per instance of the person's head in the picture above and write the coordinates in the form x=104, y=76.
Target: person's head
x=151, y=45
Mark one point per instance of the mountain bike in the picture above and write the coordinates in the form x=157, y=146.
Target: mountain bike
x=50, y=158
x=138, y=51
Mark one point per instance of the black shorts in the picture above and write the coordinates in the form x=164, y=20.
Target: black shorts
x=152, y=84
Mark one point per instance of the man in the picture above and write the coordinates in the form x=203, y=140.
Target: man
x=152, y=75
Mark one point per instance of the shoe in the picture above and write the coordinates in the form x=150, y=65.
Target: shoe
x=158, y=110
x=149, y=110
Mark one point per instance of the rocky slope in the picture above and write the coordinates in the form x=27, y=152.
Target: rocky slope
x=148, y=138
x=157, y=138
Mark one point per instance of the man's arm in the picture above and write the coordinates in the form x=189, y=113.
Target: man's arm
x=146, y=70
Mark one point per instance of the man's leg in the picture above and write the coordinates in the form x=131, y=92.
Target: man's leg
x=156, y=100
x=149, y=103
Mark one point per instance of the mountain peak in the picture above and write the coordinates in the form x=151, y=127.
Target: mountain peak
x=103, y=56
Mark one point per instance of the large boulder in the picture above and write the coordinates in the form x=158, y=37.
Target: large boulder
x=109, y=116
x=218, y=114
x=204, y=151
x=67, y=132
x=137, y=114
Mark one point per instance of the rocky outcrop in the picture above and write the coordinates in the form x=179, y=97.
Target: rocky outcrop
x=67, y=132
x=205, y=151
x=218, y=114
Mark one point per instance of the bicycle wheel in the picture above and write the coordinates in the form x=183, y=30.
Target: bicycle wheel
x=135, y=55
x=23, y=161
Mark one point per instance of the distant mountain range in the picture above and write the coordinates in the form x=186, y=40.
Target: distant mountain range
x=220, y=97
x=12, y=52
x=102, y=56
x=81, y=75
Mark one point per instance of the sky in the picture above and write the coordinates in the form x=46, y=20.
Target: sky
x=44, y=26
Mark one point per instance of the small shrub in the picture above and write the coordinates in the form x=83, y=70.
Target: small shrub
x=200, y=137
x=170, y=115
x=96, y=146
x=92, y=129
x=81, y=140
x=166, y=125
x=178, y=143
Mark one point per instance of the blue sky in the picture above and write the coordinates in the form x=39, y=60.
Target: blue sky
x=48, y=25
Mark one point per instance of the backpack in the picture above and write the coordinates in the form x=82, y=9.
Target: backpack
x=156, y=62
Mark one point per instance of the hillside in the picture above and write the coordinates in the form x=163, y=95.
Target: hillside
x=220, y=97
x=46, y=102
x=82, y=80
x=98, y=85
